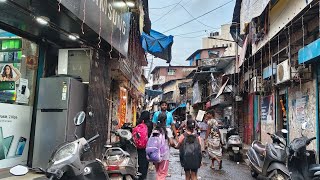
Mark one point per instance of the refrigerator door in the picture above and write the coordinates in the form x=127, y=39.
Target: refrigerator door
x=77, y=103
x=54, y=93
x=50, y=133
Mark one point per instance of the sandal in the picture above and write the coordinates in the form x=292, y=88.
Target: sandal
x=212, y=167
x=220, y=164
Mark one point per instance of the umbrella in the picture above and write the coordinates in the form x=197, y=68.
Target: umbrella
x=157, y=44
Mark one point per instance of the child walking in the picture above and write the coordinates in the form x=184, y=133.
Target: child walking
x=163, y=167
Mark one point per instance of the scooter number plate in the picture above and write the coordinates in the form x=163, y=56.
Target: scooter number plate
x=236, y=148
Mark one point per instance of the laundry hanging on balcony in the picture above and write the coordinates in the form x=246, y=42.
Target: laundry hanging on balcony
x=157, y=44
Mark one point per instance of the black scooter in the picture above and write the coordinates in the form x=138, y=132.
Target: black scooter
x=269, y=160
x=65, y=163
x=302, y=162
x=234, y=144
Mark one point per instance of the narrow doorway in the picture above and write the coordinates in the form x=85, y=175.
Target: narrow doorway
x=282, y=122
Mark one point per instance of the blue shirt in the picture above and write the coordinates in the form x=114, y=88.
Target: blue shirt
x=169, y=118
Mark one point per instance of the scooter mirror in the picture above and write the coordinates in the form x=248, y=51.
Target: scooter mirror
x=19, y=170
x=284, y=131
x=79, y=118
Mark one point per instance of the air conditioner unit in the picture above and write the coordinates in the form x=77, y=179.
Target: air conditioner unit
x=256, y=84
x=283, y=72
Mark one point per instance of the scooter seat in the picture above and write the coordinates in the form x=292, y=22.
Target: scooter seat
x=259, y=148
x=313, y=168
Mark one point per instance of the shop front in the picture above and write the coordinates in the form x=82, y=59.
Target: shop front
x=31, y=39
x=18, y=69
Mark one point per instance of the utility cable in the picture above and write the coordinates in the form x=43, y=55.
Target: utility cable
x=167, y=12
x=165, y=6
x=198, y=16
x=193, y=32
x=194, y=17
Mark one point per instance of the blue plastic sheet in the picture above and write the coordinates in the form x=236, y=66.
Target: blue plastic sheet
x=157, y=44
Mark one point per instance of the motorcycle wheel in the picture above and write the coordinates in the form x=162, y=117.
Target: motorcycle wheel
x=253, y=173
x=279, y=176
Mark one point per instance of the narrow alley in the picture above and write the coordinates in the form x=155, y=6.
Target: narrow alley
x=230, y=171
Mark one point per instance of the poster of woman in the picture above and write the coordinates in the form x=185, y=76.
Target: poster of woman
x=9, y=73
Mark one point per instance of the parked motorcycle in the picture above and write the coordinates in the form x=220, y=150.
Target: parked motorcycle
x=234, y=144
x=302, y=162
x=121, y=158
x=65, y=163
x=269, y=160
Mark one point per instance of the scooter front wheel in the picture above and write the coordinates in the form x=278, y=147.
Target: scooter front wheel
x=253, y=173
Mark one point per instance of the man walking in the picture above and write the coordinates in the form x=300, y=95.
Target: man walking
x=169, y=123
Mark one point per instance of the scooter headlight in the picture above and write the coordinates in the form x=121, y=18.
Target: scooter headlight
x=64, y=153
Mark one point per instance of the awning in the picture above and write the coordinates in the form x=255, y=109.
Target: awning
x=157, y=44
x=310, y=52
x=183, y=105
x=153, y=93
x=222, y=89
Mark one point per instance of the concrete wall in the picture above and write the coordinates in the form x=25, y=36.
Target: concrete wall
x=302, y=107
x=181, y=72
x=224, y=34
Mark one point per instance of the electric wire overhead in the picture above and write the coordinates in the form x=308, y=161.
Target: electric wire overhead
x=167, y=12
x=198, y=16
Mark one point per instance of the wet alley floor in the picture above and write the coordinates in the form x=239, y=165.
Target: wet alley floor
x=230, y=171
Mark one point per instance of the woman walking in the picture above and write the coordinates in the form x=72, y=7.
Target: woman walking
x=142, y=157
x=213, y=140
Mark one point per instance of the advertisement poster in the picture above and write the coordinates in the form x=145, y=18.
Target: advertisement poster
x=9, y=72
x=300, y=109
x=267, y=109
x=23, y=92
x=9, y=77
x=300, y=106
x=15, y=125
x=122, y=107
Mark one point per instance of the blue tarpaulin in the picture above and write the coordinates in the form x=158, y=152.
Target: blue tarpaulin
x=153, y=93
x=180, y=106
x=157, y=44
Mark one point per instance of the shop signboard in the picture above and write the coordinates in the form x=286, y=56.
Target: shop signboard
x=15, y=126
x=112, y=16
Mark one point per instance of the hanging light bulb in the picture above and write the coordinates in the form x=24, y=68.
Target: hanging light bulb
x=130, y=4
x=73, y=37
x=42, y=20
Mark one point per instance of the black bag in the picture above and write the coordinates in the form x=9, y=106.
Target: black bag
x=190, y=152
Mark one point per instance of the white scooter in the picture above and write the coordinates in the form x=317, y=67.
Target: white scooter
x=121, y=158
x=66, y=164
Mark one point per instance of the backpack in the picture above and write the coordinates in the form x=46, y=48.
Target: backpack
x=190, y=152
x=156, y=147
x=140, y=136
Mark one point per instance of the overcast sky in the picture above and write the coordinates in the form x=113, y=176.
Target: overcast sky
x=184, y=43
